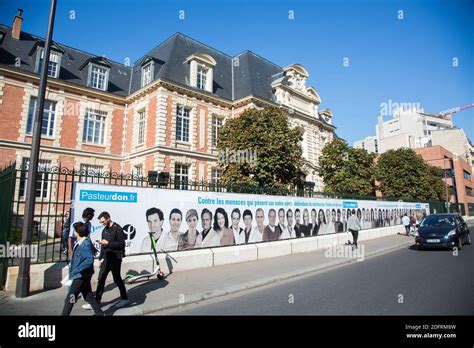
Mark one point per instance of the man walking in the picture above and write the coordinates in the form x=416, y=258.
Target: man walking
x=406, y=223
x=353, y=225
x=111, y=253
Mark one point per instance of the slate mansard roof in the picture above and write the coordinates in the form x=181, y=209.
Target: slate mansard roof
x=252, y=75
x=71, y=62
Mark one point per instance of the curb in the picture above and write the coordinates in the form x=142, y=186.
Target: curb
x=256, y=284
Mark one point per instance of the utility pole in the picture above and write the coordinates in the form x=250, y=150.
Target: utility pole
x=23, y=281
x=446, y=184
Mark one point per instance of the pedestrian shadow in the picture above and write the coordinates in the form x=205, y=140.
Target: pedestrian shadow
x=137, y=293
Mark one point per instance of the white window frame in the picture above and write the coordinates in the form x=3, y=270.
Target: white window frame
x=201, y=77
x=49, y=113
x=215, y=128
x=53, y=66
x=141, y=127
x=93, y=173
x=100, y=120
x=138, y=170
x=181, y=176
x=42, y=184
x=104, y=73
x=54, y=62
x=183, y=121
x=147, y=74
x=216, y=176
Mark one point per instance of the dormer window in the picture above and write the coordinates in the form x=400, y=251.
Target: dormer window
x=147, y=74
x=98, y=71
x=98, y=77
x=54, y=62
x=201, y=77
x=201, y=68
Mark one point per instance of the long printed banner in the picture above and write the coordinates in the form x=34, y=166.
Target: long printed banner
x=181, y=220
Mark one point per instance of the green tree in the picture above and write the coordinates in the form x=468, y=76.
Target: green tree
x=345, y=169
x=402, y=173
x=266, y=133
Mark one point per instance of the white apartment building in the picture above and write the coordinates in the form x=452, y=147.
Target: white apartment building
x=409, y=128
x=369, y=143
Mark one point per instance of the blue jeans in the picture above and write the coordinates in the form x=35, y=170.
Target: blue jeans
x=64, y=239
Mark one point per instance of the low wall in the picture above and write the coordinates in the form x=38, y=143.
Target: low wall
x=49, y=275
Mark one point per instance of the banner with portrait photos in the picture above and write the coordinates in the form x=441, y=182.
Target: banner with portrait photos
x=183, y=220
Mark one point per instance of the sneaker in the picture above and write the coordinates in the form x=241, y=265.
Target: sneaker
x=122, y=303
x=87, y=306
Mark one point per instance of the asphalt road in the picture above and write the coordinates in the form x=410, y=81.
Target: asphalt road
x=401, y=282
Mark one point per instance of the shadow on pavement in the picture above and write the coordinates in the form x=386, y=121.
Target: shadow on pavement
x=136, y=294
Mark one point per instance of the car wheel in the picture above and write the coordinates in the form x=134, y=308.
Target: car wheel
x=468, y=239
x=459, y=245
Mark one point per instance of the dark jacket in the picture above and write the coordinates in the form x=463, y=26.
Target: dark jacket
x=82, y=261
x=116, y=238
x=66, y=224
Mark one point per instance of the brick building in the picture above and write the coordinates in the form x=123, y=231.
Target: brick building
x=458, y=175
x=161, y=114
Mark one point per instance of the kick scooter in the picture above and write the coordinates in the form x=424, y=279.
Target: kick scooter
x=160, y=275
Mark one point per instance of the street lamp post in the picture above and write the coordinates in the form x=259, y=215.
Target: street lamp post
x=23, y=280
x=446, y=184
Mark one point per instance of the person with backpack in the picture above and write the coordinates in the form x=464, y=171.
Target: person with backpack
x=112, y=251
x=81, y=271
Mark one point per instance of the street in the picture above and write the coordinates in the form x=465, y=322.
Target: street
x=392, y=279
x=402, y=282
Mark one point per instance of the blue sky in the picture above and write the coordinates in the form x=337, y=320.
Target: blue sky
x=402, y=60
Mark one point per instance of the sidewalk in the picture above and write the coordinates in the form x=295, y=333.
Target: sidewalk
x=181, y=288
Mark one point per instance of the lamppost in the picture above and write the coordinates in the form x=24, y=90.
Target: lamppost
x=446, y=182
x=23, y=280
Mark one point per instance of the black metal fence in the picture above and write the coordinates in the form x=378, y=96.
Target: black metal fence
x=54, y=195
x=7, y=187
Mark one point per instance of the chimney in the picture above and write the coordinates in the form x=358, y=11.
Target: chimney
x=17, y=25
